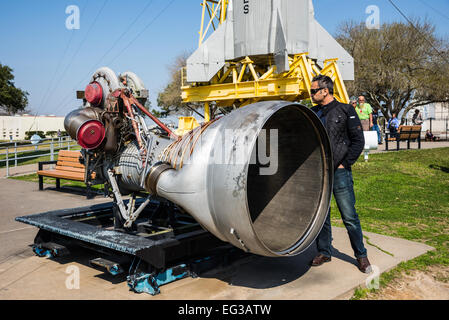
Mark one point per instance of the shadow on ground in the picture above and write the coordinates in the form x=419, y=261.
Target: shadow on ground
x=80, y=191
x=274, y=271
x=82, y=257
x=437, y=167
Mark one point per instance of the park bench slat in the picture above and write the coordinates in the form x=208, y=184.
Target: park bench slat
x=69, y=153
x=68, y=159
x=70, y=164
x=73, y=169
x=417, y=132
x=62, y=174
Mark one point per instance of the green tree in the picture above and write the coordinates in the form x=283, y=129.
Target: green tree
x=51, y=134
x=308, y=103
x=398, y=67
x=157, y=113
x=29, y=134
x=169, y=99
x=12, y=99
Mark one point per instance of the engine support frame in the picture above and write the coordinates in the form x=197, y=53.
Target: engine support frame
x=154, y=253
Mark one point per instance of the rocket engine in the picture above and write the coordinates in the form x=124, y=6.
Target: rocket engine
x=259, y=178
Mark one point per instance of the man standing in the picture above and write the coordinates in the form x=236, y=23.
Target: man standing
x=365, y=113
x=347, y=143
x=417, y=118
x=376, y=125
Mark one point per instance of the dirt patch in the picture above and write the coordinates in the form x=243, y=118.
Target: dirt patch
x=431, y=284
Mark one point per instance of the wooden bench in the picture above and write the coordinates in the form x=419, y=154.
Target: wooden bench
x=405, y=133
x=68, y=167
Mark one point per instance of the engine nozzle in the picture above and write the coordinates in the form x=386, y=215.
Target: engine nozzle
x=222, y=175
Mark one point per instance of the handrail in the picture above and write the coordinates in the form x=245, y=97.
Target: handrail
x=12, y=151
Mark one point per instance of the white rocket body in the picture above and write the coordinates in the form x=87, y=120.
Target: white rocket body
x=257, y=28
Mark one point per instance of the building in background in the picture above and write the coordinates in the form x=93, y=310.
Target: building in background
x=15, y=127
x=435, y=116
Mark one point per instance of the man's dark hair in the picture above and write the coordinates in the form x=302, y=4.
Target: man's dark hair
x=325, y=82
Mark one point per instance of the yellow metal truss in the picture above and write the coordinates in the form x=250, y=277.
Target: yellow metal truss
x=240, y=83
x=216, y=10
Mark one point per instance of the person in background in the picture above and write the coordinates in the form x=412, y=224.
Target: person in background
x=365, y=113
x=376, y=125
x=417, y=118
x=393, y=125
x=347, y=143
x=430, y=136
x=354, y=103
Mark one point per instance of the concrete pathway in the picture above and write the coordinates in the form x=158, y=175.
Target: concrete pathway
x=19, y=198
x=19, y=170
x=24, y=276
x=413, y=146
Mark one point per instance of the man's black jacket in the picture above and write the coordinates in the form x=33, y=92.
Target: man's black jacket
x=345, y=132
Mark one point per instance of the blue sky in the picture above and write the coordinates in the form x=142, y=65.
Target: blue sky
x=52, y=62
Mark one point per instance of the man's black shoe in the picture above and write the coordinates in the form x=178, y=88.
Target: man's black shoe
x=319, y=260
x=364, y=265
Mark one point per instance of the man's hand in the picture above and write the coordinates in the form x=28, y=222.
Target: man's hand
x=341, y=167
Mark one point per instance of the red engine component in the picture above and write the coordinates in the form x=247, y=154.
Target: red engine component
x=94, y=93
x=91, y=134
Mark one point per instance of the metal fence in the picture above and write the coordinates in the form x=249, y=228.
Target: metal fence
x=14, y=151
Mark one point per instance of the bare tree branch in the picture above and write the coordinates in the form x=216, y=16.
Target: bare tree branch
x=395, y=68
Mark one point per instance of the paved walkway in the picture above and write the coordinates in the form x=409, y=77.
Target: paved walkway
x=19, y=198
x=24, y=276
x=19, y=170
x=413, y=146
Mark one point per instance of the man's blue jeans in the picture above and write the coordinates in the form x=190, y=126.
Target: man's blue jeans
x=379, y=135
x=344, y=196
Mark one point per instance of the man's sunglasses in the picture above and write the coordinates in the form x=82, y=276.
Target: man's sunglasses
x=315, y=91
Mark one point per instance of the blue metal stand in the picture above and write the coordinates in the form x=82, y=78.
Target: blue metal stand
x=150, y=283
x=42, y=252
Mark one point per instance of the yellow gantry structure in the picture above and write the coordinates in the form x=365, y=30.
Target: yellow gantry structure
x=216, y=10
x=240, y=83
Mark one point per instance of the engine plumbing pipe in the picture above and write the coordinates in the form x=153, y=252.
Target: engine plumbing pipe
x=131, y=115
x=156, y=120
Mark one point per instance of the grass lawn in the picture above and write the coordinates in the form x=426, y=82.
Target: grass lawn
x=402, y=194
x=405, y=194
